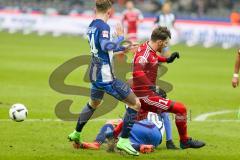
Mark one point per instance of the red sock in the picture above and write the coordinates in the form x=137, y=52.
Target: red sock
x=181, y=120
x=118, y=129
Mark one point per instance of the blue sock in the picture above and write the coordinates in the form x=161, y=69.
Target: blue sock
x=167, y=125
x=85, y=115
x=136, y=146
x=128, y=121
x=101, y=137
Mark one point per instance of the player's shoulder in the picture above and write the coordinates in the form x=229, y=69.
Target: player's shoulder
x=162, y=14
x=159, y=13
x=172, y=15
x=125, y=11
x=143, y=53
x=142, y=47
x=138, y=11
x=100, y=24
x=104, y=26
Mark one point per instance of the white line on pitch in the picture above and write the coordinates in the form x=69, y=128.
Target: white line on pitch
x=220, y=120
x=203, y=117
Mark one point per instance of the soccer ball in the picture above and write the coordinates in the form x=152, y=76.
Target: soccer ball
x=18, y=112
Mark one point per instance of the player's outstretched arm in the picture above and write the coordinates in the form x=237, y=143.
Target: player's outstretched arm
x=170, y=59
x=114, y=44
x=235, y=79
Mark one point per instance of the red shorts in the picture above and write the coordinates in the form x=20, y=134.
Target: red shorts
x=154, y=104
x=132, y=30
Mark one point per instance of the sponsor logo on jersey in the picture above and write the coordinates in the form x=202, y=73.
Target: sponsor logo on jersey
x=105, y=34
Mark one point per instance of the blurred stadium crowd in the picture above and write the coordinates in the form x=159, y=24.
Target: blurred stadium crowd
x=192, y=8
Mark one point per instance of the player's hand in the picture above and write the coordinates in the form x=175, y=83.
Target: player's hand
x=159, y=91
x=235, y=82
x=173, y=56
x=119, y=30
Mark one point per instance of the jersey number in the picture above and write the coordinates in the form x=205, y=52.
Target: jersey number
x=94, y=51
x=153, y=117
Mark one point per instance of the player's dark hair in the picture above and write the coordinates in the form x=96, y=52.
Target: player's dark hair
x=103, y=5
x=160, y=33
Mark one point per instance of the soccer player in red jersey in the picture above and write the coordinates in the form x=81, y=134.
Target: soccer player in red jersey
x=131, y=18
x=146, y=62
x=235, y=79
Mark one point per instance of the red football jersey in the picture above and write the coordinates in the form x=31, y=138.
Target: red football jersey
x=145, y=68
x=132, y=18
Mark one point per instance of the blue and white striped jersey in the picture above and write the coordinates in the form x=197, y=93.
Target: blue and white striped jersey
x=165, y=20
x=102, y=59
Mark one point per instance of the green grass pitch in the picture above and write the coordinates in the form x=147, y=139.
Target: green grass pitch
x=201, y=79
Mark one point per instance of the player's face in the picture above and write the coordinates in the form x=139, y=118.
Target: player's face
x=110, y=12
x=166, y=8
x=162, y=44
x=129, y=5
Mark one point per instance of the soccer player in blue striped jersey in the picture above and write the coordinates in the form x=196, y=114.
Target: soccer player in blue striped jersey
x=102, y=77
x=145, y=135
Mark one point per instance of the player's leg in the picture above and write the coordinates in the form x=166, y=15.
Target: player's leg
x=181, y=122
x=158, y=104
x=165, y=116
x=100, y=138
x=122, y=92
x=84, y=116
x=129, y=119
x=167, y=124
x=86, y=113
x=139, y=137
x=134, y=105
x=168, y=129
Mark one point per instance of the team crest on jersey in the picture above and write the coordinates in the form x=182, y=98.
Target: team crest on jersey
x=105, y=34
x=142, y=60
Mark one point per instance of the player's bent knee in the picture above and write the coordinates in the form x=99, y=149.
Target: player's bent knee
x=137, y=105
x=182, y=108
x=95, y=104
x=179, y=108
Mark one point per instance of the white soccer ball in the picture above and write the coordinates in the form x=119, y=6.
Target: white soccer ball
x=18, y=112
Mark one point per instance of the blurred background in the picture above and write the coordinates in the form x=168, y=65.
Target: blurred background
x=182, y=8
x=39, y=36
x=206, y=22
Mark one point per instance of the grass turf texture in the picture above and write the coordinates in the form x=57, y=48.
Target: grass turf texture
x=201, y=79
